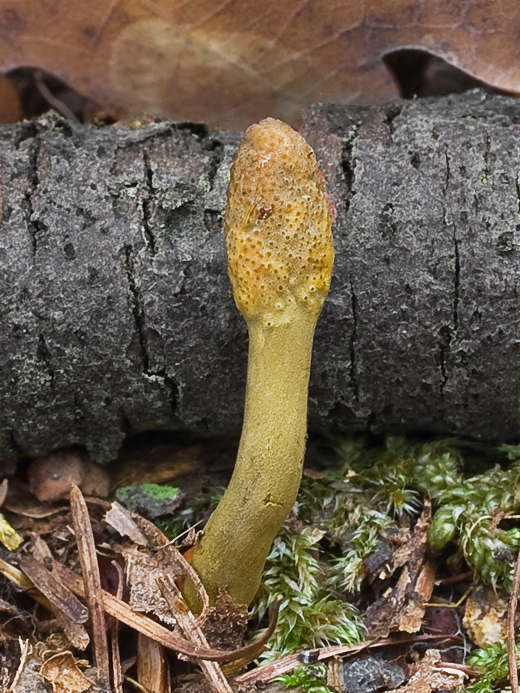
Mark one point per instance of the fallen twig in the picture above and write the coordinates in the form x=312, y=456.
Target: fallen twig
x=20, y=579
x=92, y=580
x=511, y=634
x=117, y=672
x=56, y=592
x=142, y=624
x=187, y=623
x=267, y=672
x=152, y=667
x=68, y=610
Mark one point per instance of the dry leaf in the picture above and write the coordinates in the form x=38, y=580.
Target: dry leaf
x=485, y=615
x=143, y=572
x=231, y=63
x=120, y=519
x=64, y=675
x=9, y=537
x=431, y=674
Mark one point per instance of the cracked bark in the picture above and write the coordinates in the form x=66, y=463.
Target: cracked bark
x=116, y=310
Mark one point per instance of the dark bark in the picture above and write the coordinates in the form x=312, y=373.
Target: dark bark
x=116, y=309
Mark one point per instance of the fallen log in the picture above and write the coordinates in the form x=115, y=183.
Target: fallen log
x=115, y=307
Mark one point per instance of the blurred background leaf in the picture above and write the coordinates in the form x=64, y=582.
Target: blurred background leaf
x=230, y=62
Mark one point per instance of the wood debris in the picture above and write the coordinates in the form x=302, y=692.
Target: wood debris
x=431, y=674
x=403, y=607
x=92, y=580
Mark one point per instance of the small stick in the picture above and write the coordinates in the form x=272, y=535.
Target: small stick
x=117, y=672
x=136, y=684
x=61, y=598
x=152, y=668
x=286, y=664
x=187, y=623
x=92, y=581
x=511, y=639
x=20, y=579
x=52, y=100
x=455, y=578
x=142, y=624
x=25, y=650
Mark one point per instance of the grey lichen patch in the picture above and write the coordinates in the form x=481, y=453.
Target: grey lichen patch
x=32, y=377
x=129, y=191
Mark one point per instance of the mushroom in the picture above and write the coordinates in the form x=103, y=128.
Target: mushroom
x=280, y=253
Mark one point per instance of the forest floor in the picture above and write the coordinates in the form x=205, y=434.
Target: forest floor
x=393, y=572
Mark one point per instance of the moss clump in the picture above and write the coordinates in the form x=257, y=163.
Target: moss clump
x=320, y=554
x=160, y=492
x=311, y=678
x=310, y=616
x=151, y=500
x=373, y=487
x=492, y=661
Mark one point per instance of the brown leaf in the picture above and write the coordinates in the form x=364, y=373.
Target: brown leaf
x=10, y=106
x=144, y=570
x=431, y=674
x=119, y=518
x=64, y=675
x=231, y=63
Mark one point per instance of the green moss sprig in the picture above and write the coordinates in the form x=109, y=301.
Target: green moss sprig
x=492, y=661
x=470, y=510
x=309, y=678
x=310, y=616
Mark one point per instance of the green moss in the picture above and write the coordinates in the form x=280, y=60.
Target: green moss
x=310, y=614
x=468, y=507
x=492, y=661
x=160, y=492
x=341, y=517
x=151, y=500
x=311, y=678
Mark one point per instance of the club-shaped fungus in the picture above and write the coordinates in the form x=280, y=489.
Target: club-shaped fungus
x=280, y=253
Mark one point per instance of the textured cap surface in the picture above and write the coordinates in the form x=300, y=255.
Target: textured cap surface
x=277, y=224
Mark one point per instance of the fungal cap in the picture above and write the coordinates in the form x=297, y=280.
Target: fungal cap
x=277, y=225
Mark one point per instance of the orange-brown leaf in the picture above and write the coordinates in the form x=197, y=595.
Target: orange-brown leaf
x=231, y=62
